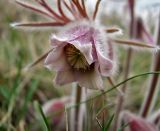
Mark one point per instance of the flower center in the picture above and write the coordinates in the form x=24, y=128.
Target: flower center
x=75, y=58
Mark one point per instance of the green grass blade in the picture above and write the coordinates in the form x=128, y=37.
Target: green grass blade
x=28, y=98
x=122, y=128
x=108, y=125
x=43, y=118
x=111, y=89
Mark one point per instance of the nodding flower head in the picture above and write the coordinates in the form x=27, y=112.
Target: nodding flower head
x=80, y=54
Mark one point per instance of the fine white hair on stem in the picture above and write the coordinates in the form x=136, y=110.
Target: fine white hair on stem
x=14, y=24
x=17, y=25
x=138, y=45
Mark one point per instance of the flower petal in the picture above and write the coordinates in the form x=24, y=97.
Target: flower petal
x=90, y=79
x=106, y=65
x=58, y=41
x=77, y=32
x=64, y=77
x=56, y=60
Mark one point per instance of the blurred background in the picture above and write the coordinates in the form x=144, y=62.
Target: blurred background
x=20, y=47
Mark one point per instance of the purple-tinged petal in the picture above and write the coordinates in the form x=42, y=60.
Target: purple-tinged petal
x=54, y=109
x=137, y=123
x=58, y=41
x=89, y=79
x=106, y=65
x=110, y=50
x=77, y=33
x=56, y=60
x=64, y=77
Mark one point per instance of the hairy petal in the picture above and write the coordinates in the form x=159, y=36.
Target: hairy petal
x=90, y=80
x=106, y=65
x=56, y=60
x=64, y=77
x=57, y=41
x=80, y=33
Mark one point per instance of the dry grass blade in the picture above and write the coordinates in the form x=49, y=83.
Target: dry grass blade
x=112, y=84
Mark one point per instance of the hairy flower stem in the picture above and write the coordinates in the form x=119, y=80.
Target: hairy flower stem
x=120, y=98
x=77, y=110
x=77, y=114
x=150, y=98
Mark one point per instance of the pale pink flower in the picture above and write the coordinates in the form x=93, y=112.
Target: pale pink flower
x=80, y=54
x=54, y=109
x=136, y=123
x=83, y=51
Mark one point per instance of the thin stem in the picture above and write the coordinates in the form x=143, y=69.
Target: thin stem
x=109, y=90
x=66, y=118
x=120, y=103
x=50, y=10
x=61, y=11
x=78, y=99
x=71, y=9
x=29, y=6
x=113, y=88
x=77, y=114
x=134, y=43
x=79, y=8
x=96, y=9
x=38, y=24
x=152, y=93
x=42, y=57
